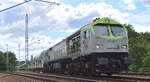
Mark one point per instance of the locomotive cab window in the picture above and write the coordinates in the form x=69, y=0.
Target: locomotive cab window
x=101, y=30
x=117, y=31
x=86, y=34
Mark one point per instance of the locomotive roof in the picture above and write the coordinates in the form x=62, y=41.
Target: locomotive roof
x=105, y=20
x=74, y=34
x=56, y=44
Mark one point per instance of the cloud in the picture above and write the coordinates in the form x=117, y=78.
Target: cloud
x=4, y=42
x=141, y=18
x=146, y=2
x=128, y=1
x=16, y=28
x=39, y=43
x=141, y=28
x=70, y=18
x=16, y=0
x=129, y=4
x=83, y=14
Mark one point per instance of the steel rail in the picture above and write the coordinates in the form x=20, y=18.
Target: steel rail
x=57, y=78
x=130, y=78
x=135, y=73
x=52, y=77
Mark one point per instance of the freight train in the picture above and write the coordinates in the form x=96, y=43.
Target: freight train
x=100, y=47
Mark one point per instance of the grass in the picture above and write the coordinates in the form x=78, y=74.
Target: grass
x=22, y=71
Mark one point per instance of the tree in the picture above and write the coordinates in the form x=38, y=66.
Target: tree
x=131, y=31
x=3, y=61
x=139, y=50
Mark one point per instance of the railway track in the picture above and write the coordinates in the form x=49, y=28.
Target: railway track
x=53, y=78
x=135, y=74
x=80, y=78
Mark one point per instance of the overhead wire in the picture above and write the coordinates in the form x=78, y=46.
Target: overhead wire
x=14, y=6
x=48, y=2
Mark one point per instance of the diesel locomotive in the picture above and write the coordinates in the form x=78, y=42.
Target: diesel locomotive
x=98, y=47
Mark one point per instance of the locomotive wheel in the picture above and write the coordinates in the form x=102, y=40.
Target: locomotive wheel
x=109, y=74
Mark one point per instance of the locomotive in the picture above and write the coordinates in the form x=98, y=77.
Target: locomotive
x=100, y=47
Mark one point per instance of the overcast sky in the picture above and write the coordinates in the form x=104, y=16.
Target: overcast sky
x=50, y=23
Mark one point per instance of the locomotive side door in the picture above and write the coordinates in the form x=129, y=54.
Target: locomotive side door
x=85, y=39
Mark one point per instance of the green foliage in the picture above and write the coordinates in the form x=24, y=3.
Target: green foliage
x=3, y=61
x=139, y=50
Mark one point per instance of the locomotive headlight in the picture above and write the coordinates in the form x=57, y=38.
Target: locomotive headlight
x=124, y=46
x=98, y=46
